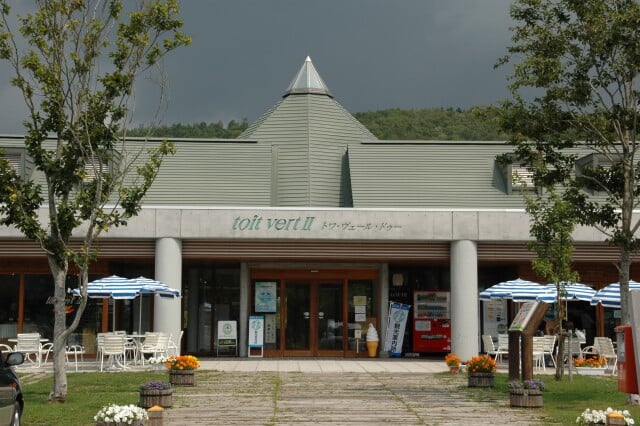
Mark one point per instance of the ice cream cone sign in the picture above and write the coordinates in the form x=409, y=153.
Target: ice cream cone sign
x=372, y=341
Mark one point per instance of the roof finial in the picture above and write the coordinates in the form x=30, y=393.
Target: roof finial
x=307, y=81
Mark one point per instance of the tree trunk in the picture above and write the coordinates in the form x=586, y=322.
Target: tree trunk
x=59, y=390
x=60, y=330
x=625, y=266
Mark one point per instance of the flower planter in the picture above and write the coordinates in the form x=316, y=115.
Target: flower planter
x=481, y=380
x=454, y=369
x=591, y=371
x=136, y=423
x=526, y=398
x=151, y=397
x=182, y=377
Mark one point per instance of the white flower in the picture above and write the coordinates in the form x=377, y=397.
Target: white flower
x=126, y=414
x=590, y=416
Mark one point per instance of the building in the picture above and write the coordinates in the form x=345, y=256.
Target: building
x=310, y=221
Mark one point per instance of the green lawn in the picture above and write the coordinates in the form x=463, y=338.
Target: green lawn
x=563, y=401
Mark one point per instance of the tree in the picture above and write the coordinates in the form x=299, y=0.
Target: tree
x=553, y=222
x=574, y=86
x=75, y=63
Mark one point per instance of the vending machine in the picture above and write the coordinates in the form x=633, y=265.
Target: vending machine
x=431, y=321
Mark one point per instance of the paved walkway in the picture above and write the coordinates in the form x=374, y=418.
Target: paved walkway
x=244, y=391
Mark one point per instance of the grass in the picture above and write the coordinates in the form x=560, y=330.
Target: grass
x=88, y=393
x=563, y=400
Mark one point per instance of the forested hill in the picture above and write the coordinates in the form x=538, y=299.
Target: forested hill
x=478, y=124
x=390, y=124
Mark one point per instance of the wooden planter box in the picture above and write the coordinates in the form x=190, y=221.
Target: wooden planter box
x=531, y=398
x=152, y=397
x=481, y=380
x=182, y=377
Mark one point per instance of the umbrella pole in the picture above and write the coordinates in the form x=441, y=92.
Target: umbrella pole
x=113, y=313
x=140, y=314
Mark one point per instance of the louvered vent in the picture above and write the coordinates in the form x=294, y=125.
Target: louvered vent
x=15, y=161
x=521, y=177
x=94, y=168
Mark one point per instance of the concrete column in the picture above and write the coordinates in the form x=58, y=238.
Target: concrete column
x=464, y=298
x=383, y=284
x=245, y=291
x=167, y=313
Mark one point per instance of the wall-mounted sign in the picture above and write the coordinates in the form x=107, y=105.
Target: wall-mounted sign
x=265, y=300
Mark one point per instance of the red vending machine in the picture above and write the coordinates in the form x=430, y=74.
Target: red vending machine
x=431, y=321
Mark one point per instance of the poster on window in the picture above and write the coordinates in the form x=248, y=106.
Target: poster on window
x=265, y=296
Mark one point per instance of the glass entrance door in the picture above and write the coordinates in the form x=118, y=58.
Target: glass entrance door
x=314, y=318
x=297, y=319
x=330, y=324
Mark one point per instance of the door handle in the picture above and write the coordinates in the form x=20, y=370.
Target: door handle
x=321, y=315
x=306, y=315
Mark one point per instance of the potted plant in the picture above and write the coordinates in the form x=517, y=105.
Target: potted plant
x=481, y=369
x=604, y=417
x=156, y=393
x=113, y=414
x=182, y=369
x=594, y=365
x=527, y=393
x=453, y=362
x=157, y=363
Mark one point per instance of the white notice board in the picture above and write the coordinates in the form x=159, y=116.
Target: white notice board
x=227, y=335
x=256, y=334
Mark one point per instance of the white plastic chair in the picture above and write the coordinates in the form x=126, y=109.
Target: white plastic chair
x=173, y=348
x=29, y=345
x=113, y=347
x=549, y=347
x=539, y=348
x=155, y=344
x=604, y=347
x=74, y=350
x=490, y=348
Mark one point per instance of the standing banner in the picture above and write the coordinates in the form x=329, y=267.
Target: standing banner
x=398, y=314
x=256, y=334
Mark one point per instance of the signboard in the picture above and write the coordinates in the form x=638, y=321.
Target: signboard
x=256, y=331
x=265, y=296
x=227, y=330
x=398, y=314
x=227, y=335
x=523, y=317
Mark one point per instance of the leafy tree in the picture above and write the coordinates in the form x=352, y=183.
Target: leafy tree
x=196, y=130
x=553, y=222
x=478, y=123
x=75, y=63
x=574, y=87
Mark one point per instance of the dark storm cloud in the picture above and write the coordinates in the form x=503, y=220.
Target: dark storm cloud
x=373, y=54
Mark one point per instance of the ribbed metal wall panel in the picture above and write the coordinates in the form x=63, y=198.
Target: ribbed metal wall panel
x=518, y=251
x=108, y=248
x=314, y=250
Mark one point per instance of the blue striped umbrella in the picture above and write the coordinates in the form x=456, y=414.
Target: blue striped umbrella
x=117, y=287
x=149, y=286
x=572, y=291
x=609, y=296
x=518, y=290
x=113, y=286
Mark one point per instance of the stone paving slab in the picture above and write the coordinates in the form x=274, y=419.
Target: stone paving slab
x=338, y=398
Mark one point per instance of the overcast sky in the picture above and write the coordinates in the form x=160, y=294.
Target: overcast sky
x=372, y=54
